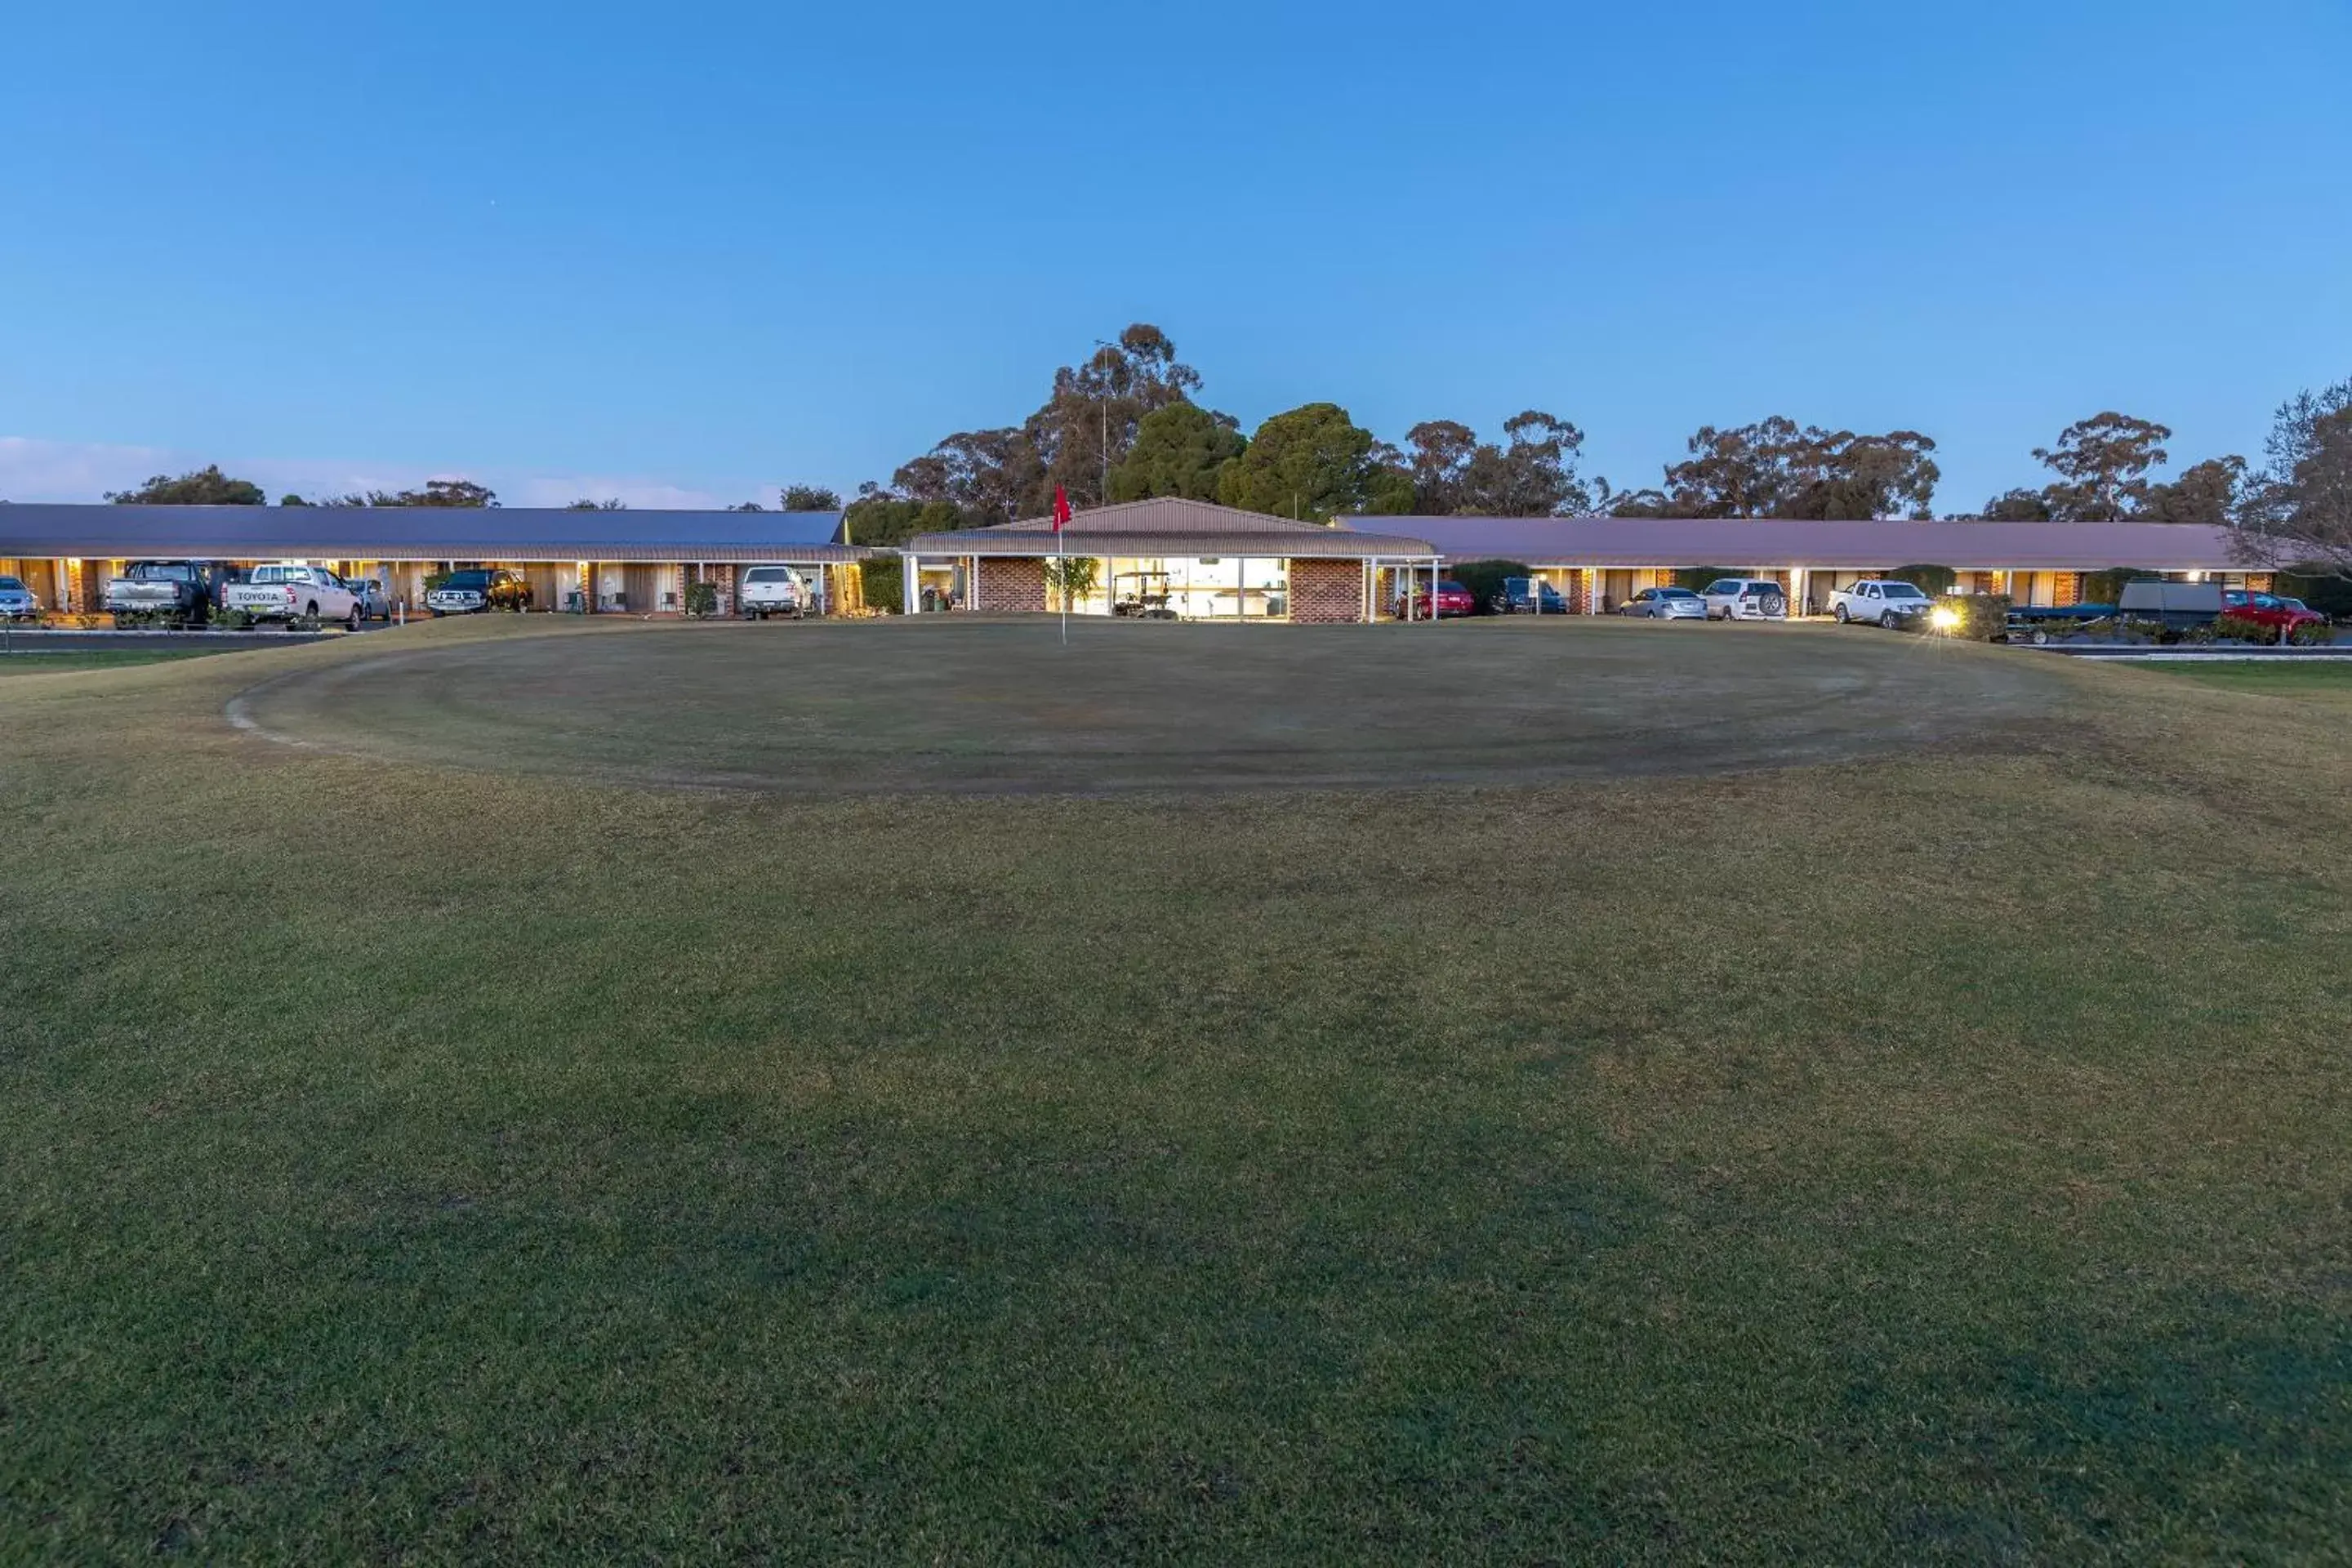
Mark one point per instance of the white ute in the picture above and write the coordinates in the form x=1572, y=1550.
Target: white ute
x=292, y=591
x=772, y=591
x=1880, y=602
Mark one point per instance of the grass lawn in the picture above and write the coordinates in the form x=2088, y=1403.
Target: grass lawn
x=442, y=1138
x=46, y=661
x=2327, y=682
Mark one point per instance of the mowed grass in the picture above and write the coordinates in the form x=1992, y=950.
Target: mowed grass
x=2328, y=681
x=1933, y=1157
x=45, y=661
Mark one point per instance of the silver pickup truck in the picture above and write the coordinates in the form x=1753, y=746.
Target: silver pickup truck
x=174, y=592
x=292, y=591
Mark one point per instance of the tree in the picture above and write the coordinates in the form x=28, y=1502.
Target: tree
x=811, y=497
x=989, y=476
x=2206, y=493
x=747, y=506
x=290, y=499
x=1069, y=578
x=2299, y=514
x=1776, y=467
x=436, y=492
x=583, y=504
x=1532, y=474
x=1438, y=453
x=206, y=486
x=880, y=521
x=1090, y=420
x=1641, y=504
x=2102, y=465
x=1312, y=462
x=2017, y=506
x=1180, y=450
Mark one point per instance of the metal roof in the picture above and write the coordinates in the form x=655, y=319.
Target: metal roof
x=1857, y=546
x=1166, y=527
x=416, y=533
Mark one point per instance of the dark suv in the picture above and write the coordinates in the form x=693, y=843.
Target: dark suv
x=479, y=588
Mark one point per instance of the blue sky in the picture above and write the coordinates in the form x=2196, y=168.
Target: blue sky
x=683, y=254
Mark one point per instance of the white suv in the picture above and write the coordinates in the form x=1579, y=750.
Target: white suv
x=1746, y=599
x=772, y=591
x=1879, y=601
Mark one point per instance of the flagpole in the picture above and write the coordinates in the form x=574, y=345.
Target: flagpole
x=1062, y=568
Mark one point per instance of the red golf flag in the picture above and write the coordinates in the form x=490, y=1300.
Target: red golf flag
x=1060, y=509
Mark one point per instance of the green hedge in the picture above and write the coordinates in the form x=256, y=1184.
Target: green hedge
x=1981, y=616
x=2106, y=587
x=1696, y=578
x=1933, y=581
x=884, y=588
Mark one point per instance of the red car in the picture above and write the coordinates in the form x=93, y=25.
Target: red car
x=1453, y=599
x=2274, y=610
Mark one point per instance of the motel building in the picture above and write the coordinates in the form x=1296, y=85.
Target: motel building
x=1185, y=560
x=1596, y=564
x=626, y=562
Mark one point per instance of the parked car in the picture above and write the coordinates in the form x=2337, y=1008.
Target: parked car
x=291, y=591
x=182, y=592
x=768, y=591
x=18, y=603
x=1453, y=599
x=1879, y=601
x=2282, y=614
x=1746, y=599
x=1528, y=595
x=375, y=605
x=477, y=589
x=1666, y=604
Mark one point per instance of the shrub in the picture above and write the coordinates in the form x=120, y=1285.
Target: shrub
x=2234, y=627
x=2311, y=634
x=883, y=589
x=1069, y=578
x=1981, y=616
x=1484, y=581
x=2106, y=587
x=2330, y=595
x=1696, y=578
x=1933, y=581
x=702, y=598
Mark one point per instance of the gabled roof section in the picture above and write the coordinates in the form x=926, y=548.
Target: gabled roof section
x=414, y=533
x=1162, y=514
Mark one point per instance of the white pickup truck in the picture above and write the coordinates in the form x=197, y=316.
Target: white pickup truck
x=292, y=591
x=1879, y=602
x=772, y=591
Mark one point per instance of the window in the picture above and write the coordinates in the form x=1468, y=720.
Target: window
x=11, y=585
x=1903, y=591
x=769, y=574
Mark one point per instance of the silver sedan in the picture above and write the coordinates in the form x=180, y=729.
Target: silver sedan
x=1666, y=604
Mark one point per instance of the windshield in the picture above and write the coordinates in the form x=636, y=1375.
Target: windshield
x=1450, y=586
x=1676, y=594
x=1903, y=591
x=11, y=584
x=769, y=574
x=1764, y=588
x=162, y=571
x=281, y=574
x=474, y=580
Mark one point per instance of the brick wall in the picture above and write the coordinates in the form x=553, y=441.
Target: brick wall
x=1324, y=591
x=1011, y=584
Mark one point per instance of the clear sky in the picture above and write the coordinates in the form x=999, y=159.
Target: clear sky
x=683, y=252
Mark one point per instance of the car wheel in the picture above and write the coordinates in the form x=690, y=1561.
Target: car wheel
x=1885, y=620
x=352, y=622
x=437, y=613
x=1839, y=615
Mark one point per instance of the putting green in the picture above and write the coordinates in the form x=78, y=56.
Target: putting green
x=947, y=705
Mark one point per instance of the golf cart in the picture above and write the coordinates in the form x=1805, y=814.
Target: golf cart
x=1141, y=594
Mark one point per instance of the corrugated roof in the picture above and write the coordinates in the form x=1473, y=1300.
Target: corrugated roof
x=1168, y=526
x=1855, y=546
x=416, y=533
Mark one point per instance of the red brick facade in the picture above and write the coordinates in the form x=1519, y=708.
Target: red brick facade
x=1323, y=592
x=1011, y=584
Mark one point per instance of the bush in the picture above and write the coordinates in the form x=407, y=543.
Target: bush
x=2311, y=634
x=702, y=598
x=2106, y=587
x=1980, y=617
x=2233, y=627
x=1484, y=581
x=2330, y=595
x=1696, y=578
x=1933, y=581
x=881, y=587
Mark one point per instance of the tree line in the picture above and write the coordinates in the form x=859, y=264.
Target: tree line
x=1126, y=423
